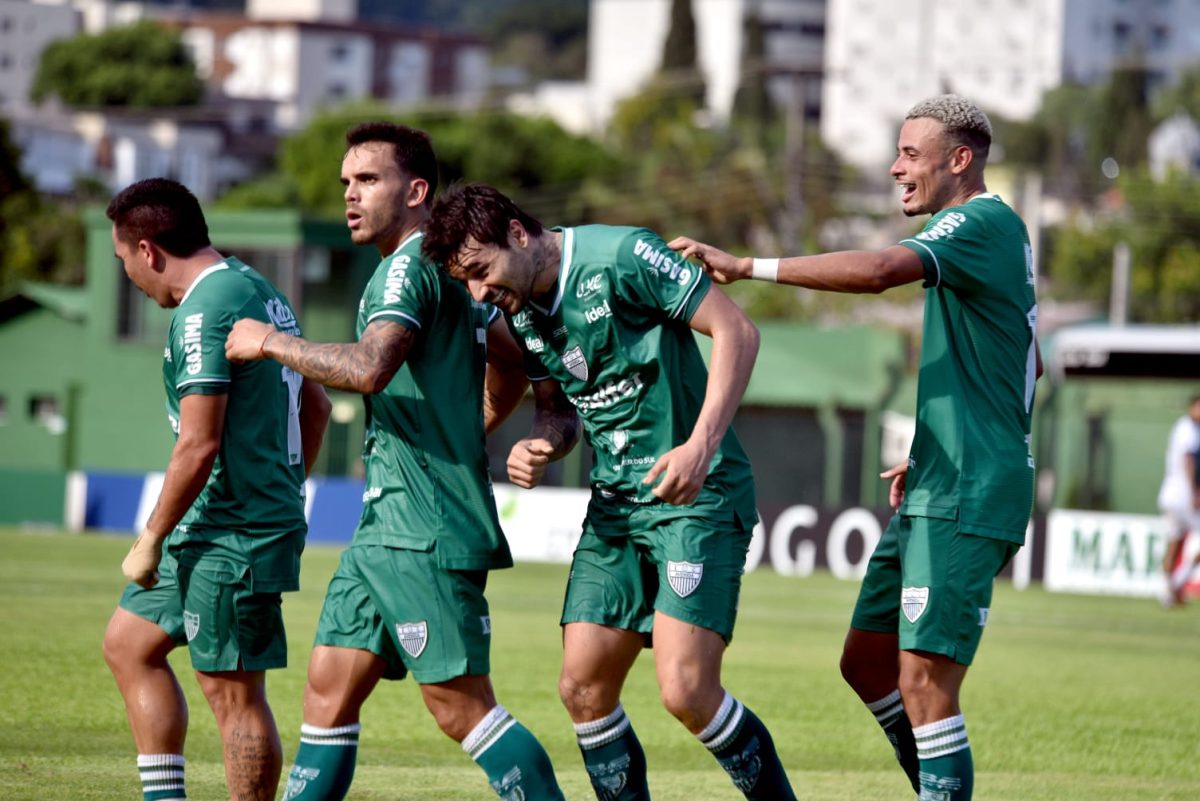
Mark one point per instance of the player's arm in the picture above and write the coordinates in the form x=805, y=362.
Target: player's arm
x=504, y=383
x=555, y=431
x=735, y=346
x=859, y=271
x=1037, y=353
x=314, y=418
x=201, y=424
x=365, y=366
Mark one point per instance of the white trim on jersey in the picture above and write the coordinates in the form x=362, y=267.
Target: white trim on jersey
x=415, y=235
x=936, y=264
x=394, y=313
x=568, y=255
x=221, y=265
x=687, y=296
x=183, y=384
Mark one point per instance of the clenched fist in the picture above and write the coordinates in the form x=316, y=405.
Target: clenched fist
x=141, y=564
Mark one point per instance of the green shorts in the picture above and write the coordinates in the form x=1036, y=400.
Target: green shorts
x=632, y=561
x=419, y=617
x=209, y=605
x=931, y=584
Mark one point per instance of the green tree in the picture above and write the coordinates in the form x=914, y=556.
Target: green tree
x=142, y=65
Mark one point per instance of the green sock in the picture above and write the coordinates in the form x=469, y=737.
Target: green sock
x=162, y=777
x=889, y=711
x=324, y=764
x=947, y=771
x=744, y=748
x=517, y=766
x=613, y=757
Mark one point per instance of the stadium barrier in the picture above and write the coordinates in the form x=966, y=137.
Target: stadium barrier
x=1070, y=551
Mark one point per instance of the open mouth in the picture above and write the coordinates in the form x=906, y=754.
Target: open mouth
x=907, y=191
x=353, y=218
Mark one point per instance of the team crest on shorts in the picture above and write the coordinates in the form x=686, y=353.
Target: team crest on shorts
x=413, y=637
x=191, y=624
x=575, y=363
x=684, y=577
x=913, y=601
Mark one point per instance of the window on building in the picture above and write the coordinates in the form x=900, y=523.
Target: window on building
x=1160, y=37
x=44, y=411
x=129, y=308
x=6, y=24
x=3, y=410
x=335, y=90
x=5, y=61
x=340, y=52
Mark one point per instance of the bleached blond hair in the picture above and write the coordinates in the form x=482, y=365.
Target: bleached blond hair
x=964, y=122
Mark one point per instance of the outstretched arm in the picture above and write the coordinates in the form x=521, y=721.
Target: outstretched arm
x=844, y=271
x=555, y=431
x=201, y=424
x=365, y=366
x=735, y=346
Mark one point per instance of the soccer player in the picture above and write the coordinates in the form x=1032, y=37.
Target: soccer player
x=1179, y=499
x=231, y=510
x=408, y=595
x=605, y=316
x=963, y=498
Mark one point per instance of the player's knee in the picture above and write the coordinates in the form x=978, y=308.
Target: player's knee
x=455, y=721
x=572, y=694
x=853, y=669
x=685, y=702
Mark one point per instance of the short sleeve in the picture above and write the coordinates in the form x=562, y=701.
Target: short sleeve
x=198, y=351
x=954, y=250
x=404, y=290
x=653, y=278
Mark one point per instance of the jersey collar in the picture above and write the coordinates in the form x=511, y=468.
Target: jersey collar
x=566, y=260
x=221, y=265
x=414, y=235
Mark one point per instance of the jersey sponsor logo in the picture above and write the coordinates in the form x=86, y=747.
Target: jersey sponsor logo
x=609, y=778
x=589, y=286
x=684, y=577
x=983, y=615
x=1029, y=279
x=298, y=779
x=372, y=493
x=191, y=624
x=521, y=318
x=598, y=312
x=575, y=363
x=192, y=343
x=534, y=344
x=413, y=637
x=913, y=601
x=559, y=333
x=167, y=354
x=282, y=317
x=610, y=393
x=396, y=280
x=619, y=441
x=944, y=228
x=662, y=263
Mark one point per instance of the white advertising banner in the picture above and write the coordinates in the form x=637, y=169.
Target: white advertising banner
x=1104, y=553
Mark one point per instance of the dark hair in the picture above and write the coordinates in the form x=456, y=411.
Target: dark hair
x=471, y=210
x=161, y=211
x=412, y=148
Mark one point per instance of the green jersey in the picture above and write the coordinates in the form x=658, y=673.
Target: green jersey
x=256, y=487
x=616, y=337
x=427, y=480
x=970, y=458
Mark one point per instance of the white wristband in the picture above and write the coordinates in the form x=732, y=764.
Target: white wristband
x=765, y=269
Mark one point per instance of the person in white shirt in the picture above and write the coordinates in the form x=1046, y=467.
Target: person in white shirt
x=1179, y=498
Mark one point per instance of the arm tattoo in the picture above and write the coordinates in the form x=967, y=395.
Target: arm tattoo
x=555, y=419
x=365, y=366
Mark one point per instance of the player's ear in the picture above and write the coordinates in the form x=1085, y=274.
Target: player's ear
x=517, y=233
x=961, y=158
x=151, y=255
x=418, y=190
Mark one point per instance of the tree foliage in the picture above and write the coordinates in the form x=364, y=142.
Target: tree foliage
x=141, y=65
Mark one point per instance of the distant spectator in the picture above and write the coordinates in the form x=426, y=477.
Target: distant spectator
x=1179, y=499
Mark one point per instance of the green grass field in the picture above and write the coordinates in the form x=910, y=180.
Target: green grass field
x=1095, y=699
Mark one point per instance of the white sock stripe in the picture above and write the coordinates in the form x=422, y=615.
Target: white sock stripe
x=162, y=775
x=939, y=727
x=718, y=720
x=597, y=739
x=156, y=787
x=594, y=726
x=883, y=703
x=156, y=760
x=486, y=729
x=492, y=740
x=941, y=738
x=735, y=722
x=317, y=731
